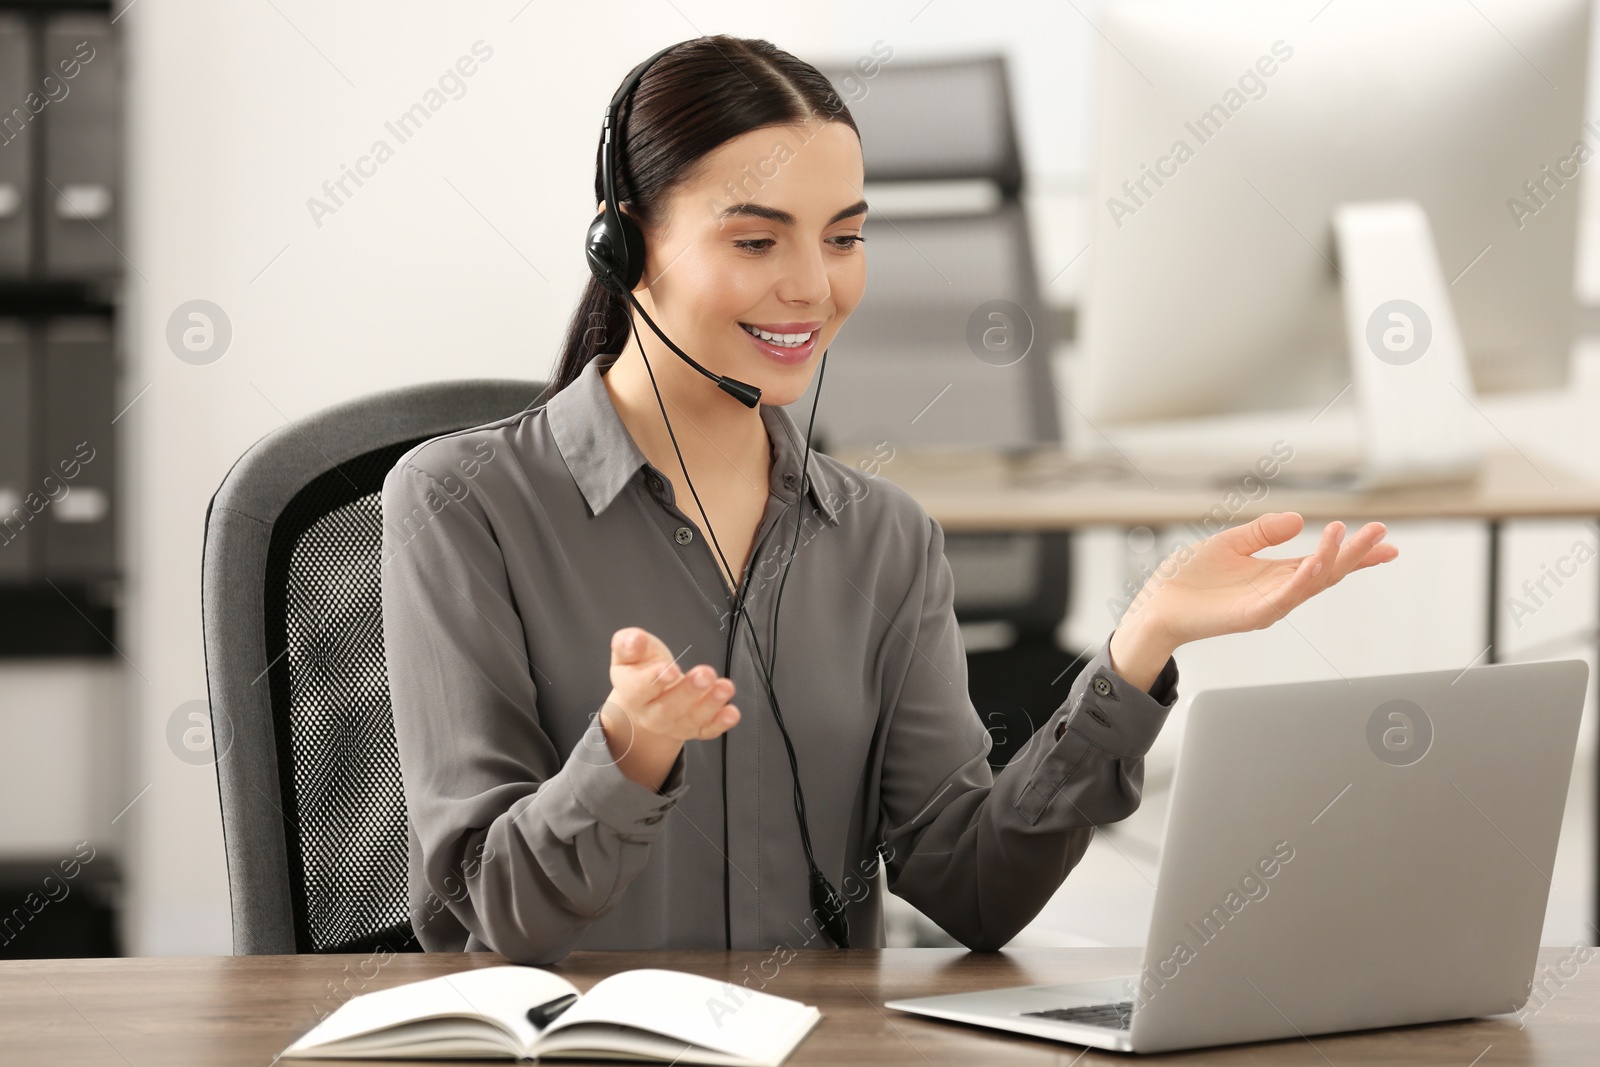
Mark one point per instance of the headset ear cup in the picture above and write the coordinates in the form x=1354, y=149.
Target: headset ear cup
x=614, y=249
x=603, y=249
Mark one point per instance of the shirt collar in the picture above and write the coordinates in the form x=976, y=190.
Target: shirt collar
x=602, y=455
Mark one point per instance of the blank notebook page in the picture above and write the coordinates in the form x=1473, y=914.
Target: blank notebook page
x=507, y=992
x=703, y=1011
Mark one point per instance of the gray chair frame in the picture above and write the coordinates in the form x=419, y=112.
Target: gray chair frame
x=906, y=96
x=910, y=141
x=240, y=522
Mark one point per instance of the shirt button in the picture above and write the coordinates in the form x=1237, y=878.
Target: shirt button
x=1102, y=686
x=684, y=535
x=654, y=482
x=788, y=480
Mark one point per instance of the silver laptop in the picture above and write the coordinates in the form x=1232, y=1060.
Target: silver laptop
x=1339, y=855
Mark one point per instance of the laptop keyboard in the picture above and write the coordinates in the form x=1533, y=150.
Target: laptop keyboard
x=1111, y=1016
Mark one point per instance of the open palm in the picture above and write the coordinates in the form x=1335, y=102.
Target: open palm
x=1219, y=586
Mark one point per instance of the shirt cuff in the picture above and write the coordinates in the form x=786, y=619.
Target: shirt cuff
x=1114, y=713
x=614, y=799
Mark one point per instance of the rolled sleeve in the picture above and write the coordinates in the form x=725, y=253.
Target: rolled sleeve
x=981, y=852
x=1107, y=717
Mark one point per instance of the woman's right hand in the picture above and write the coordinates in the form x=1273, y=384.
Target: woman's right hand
x=654, y=706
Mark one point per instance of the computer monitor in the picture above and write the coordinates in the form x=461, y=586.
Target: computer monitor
x=1231, y=132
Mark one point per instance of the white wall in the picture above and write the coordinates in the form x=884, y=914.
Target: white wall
x=459, y=258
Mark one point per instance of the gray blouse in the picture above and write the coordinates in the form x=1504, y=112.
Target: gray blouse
x=514, y=550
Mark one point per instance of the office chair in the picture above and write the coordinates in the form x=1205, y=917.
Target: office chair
x=907, y=371
x=313, y=811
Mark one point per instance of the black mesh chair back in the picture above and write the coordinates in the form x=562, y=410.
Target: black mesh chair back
x=313, y=810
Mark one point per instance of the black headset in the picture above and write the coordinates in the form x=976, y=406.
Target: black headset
x=615, y=251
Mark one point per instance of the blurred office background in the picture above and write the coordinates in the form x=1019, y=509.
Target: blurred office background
x=192, y=160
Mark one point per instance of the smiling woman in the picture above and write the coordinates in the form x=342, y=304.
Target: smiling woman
x=563, y=645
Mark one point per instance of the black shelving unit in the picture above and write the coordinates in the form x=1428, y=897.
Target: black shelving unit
x=60, y=276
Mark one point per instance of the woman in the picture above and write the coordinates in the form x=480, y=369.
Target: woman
x=562, y=797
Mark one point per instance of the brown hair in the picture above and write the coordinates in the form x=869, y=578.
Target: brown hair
x=703, y=93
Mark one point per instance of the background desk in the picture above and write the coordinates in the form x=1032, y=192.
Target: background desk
x=222, y=1011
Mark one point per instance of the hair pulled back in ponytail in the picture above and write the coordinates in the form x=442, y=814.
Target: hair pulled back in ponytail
x=700, y=95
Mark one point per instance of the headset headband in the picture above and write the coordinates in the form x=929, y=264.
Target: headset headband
x=608, y=130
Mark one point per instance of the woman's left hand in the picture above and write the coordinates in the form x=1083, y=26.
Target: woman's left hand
x=1218, y=586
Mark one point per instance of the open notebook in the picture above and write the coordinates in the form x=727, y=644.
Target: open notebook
x=646, y=1014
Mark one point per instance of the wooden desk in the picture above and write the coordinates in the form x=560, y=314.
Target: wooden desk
x=221, y=1011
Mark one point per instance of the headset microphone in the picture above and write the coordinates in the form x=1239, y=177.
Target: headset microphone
x=748, y=395
x=615, y=252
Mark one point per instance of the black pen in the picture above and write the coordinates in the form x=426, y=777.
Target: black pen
x=542, y=1015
